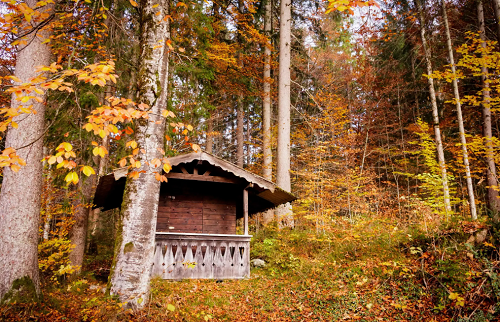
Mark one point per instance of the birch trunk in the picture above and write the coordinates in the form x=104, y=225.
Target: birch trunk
x=21, y=191
x=435, y=115
x=493, y=200
x=470, y=188
x=284, y=212
x=267, y=167
x=136, y=235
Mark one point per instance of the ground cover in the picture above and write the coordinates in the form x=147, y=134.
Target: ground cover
x=360, y=270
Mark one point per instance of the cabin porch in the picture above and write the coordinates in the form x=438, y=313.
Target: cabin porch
x=210, y=256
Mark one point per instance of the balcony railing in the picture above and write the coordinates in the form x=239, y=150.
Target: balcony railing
x=180, y=256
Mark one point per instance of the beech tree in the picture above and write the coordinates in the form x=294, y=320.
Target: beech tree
x=491, y=173
x=135, y=242
x=21, y=189
x=456, y=94
x=267, y=158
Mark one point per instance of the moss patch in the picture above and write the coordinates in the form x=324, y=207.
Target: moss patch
x=128, y=247
x=23, y=291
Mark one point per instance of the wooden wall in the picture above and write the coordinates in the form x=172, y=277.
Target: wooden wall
x=188, y=206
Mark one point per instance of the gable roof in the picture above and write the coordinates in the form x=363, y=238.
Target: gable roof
x=263, y=194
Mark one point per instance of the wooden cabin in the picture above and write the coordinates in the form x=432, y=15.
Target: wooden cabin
x=197, y=212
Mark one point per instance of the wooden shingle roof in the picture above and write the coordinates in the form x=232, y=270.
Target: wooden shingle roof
x=263, y=193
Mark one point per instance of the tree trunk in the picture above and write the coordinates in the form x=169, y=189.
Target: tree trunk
x=470, y=189
x=496, y=4
x=241, y=111
x=79, y=230
x=284, y=212
x=136, y=235
x=267, y=166
x=239, y=132
x=210, y=138
x=493, y=200
x=437, y=131
x=21, y=191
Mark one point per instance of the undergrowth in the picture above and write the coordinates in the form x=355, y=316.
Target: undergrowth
x=362, y=269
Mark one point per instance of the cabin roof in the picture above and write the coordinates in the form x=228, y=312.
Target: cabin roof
x=264, y=193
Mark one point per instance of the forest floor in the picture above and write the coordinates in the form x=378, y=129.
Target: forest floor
x=363, y=270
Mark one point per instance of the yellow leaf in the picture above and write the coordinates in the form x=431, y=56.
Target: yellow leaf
x=14, y=124
x=88, y=171
x=132, y=2
x=195, y=147
x=15, y=79
x=52, y=160
x=25, y=99
x=170, y=307
x=15, y=167
x=102, y=151
x=88, y=127
x=39, y=91
x=67, y=146
x=71, y=177
x=137, y=164
x=131, y=144
x=189, y=127
x=167, y=167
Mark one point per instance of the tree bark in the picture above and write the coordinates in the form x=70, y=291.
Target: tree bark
x=78, y=235
x=496, y=4
x=21, y=191
x=267, y=166
x=493, y=200
x=435, y=115
x=284, y=212
x=210, y=137
x=241, y=111
x=470, y=188
x=136, y=235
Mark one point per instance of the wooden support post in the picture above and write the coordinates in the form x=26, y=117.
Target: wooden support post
x=245, y=207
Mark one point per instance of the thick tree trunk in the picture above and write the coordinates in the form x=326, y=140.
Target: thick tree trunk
x=435, y=115
x=267, y=167
x=493, y=199
x=79, y=230
x=21, y=191
x=135, y=238
x=470, y=188
x=284, y=212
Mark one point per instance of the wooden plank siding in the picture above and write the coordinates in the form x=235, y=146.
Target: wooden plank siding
x=197, y=207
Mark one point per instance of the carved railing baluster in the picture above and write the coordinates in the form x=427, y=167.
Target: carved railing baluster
x=215, y=256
